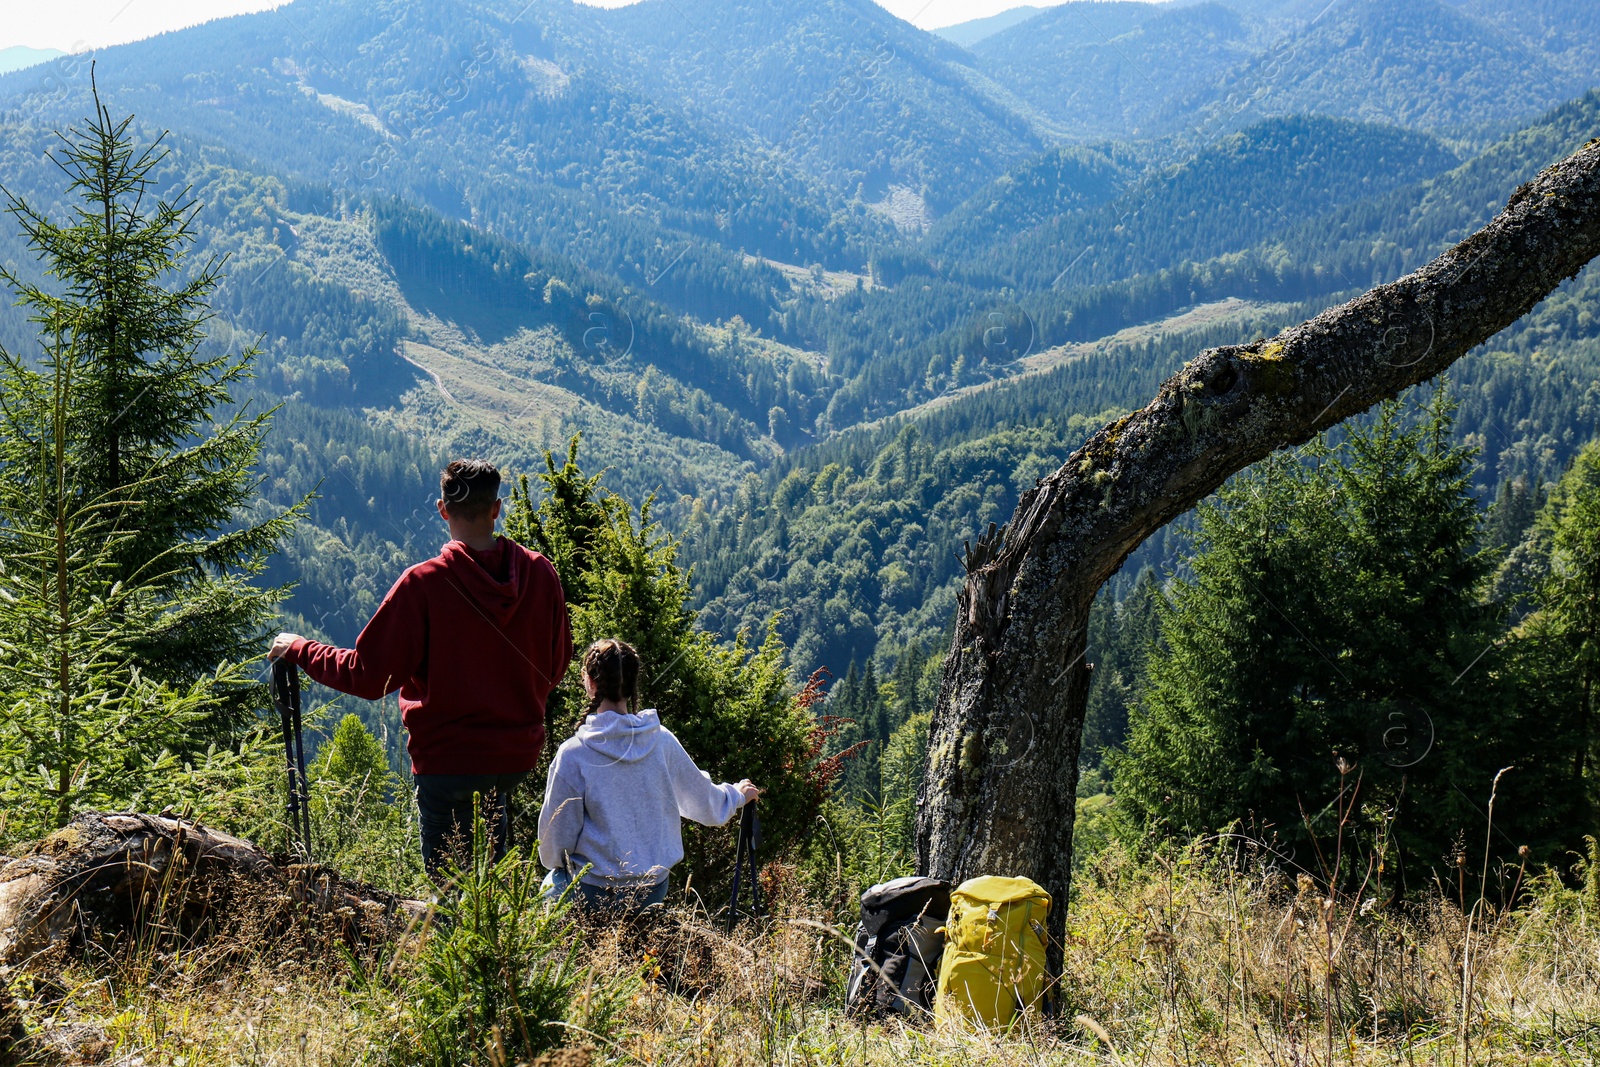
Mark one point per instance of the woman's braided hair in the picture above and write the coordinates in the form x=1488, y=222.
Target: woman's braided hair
x=613, y=666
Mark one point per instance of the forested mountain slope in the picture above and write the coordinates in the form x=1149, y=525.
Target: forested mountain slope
x=1245, y=189
x=1418, y=63
x=1272, y=214
x=1063, y=252
x=839, y=88
x=1105, y=69
x=453, y=106
x=1561, y=36
x=873, y=519
x=696, y=235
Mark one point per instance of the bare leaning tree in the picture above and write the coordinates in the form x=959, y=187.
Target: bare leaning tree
x=1002, y=772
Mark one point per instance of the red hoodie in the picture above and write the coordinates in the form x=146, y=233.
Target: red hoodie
x=474, y=658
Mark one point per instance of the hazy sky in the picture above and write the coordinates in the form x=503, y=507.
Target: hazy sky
x=73, y=25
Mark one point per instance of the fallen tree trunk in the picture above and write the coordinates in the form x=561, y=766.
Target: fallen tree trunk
x=998, y=796
x=114, y=880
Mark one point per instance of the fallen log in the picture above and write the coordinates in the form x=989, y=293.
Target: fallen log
x=110, y=881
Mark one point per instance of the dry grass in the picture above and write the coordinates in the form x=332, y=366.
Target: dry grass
x=1183, y=960
x=179, y=1012
x=1192, y=961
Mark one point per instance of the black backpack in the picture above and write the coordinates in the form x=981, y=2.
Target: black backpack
x=898, y=945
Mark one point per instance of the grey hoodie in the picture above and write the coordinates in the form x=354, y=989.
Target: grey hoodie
x=614, y=796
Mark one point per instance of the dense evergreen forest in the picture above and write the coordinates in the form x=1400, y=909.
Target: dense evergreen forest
x=831, y=292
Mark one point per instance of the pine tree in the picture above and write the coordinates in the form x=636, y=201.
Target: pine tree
x=1571, y=594
x=125, y=550
x=1335, y=614
x=844, y=700
x=1512, y=513
x=847, y=703
x=874, y=730
x=905, y=755
x=163, y=447
x=1558, y=646
x=903, y=690
x=358, y=809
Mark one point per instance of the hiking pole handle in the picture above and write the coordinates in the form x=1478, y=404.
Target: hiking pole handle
x=286, y=698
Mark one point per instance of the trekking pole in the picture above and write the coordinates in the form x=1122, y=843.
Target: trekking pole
x=749, y=841
x=286, y=696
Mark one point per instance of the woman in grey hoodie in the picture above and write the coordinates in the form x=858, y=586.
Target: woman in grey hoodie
x=617, y=790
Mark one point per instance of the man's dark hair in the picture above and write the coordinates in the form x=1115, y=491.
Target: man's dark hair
x=469, y=487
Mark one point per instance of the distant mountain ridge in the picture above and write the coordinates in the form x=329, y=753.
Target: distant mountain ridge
x=1106, y=69
x=1417, y=63
x=1247, y=188
x=1101, y=68
x=966, y=34
x=842, y=88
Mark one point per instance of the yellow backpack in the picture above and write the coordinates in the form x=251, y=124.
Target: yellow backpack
x=994, y=963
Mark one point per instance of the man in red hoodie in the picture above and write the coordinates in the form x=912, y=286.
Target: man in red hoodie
x=475, y=640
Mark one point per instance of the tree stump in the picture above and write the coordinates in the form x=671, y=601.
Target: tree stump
x=115, y=881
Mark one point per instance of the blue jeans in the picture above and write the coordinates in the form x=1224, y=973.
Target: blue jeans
x=600, y=899
x=444, y=808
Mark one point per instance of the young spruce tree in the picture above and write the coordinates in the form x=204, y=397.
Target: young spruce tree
x=1336, y=614
x=125, y=606
x=165, y=453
